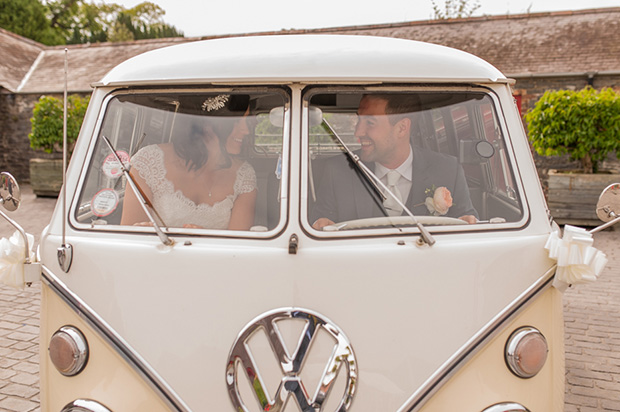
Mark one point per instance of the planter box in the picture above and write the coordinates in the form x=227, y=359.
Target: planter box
x=46, y=177
x=572, y=197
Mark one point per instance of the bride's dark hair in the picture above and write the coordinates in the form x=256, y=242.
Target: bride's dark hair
x=221, y=112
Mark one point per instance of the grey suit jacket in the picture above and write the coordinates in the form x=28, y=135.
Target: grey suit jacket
x=343, y=194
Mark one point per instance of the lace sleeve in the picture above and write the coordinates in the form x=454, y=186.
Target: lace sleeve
x=149, y=162
x=246, y=179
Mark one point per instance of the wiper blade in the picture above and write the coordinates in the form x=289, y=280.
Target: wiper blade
x=370, y=176
x=379, y=186
x=136, y=189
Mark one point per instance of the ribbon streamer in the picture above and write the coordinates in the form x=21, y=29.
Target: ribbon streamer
x=12, y=259
x=578, y=261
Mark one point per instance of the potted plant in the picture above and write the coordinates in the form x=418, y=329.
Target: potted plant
x=47, y=135
x=585, y=125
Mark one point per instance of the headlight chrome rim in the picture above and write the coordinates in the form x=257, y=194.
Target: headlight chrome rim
x=515, y=345
x=68, y=338
x=84, y=405
x=507, y=407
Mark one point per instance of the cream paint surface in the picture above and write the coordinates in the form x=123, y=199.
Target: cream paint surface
x=485, y=380
x=107, y=378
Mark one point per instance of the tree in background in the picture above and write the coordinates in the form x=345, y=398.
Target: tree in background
x=455, y=9
x=56, y=22
x=47, y=122
x=29, y=18
x=584, y=124
x=111, y=22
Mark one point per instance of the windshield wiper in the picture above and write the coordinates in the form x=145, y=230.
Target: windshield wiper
x=378, y=185
x=138, y=192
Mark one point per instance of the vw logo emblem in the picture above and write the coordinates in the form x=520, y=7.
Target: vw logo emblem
x=242, y=364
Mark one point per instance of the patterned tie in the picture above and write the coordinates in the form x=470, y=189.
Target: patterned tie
x=392, y=207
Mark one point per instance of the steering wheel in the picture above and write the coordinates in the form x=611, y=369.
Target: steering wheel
x=393, y=221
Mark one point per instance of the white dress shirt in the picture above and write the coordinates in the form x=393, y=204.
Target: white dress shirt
x=405, y=170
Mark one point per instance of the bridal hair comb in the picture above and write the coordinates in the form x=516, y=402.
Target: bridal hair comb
x=215, y=103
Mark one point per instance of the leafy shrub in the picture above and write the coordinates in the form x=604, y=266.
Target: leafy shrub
x=47, y=122
x=584, y=124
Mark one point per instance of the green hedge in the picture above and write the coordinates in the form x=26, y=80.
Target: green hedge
x=47, y=122
x=584, y=124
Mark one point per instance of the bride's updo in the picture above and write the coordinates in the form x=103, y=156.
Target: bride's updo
x=220, y=112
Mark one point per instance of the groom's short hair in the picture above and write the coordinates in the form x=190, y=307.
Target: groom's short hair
x=398, y=104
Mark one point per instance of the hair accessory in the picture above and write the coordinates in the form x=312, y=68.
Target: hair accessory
x=215, y=103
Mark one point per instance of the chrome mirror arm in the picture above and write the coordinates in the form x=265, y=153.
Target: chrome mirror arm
x=20, y=230
x=615, y=219
x=10, y=199
x=134, y=186
x=378, y=185
x=608, y=207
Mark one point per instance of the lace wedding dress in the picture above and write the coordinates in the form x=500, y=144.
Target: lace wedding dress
x=173, y=207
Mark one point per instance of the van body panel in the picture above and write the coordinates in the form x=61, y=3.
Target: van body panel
x=407, y=309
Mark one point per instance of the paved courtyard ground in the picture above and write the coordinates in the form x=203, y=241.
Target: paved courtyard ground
x=592, y=321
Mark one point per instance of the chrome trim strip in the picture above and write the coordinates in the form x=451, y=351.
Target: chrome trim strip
x=507, y=407
x=153, y=379
x=475, y=344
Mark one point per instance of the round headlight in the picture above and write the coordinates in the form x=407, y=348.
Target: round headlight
x=526, y=352
x=68, y=350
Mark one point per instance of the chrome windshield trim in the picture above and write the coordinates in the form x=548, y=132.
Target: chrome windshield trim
x=283, y=198
x=474, y=87
x=443, y=374
x=133, y=359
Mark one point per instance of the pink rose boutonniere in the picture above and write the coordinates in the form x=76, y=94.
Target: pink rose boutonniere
x=440, y=201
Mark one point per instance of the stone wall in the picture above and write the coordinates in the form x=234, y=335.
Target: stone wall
x=15, y=151
x=532, y=88
x=16, y=111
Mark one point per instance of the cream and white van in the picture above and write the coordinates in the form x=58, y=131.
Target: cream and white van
x=447, y=299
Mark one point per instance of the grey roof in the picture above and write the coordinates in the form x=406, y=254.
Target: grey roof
x=540, y=43
x=87, y=64
x=18, y=55
x=518, y=45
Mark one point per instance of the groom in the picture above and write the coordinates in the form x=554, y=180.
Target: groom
x=384, y=130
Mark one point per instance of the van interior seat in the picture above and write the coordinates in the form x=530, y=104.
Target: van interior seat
x=267, y=208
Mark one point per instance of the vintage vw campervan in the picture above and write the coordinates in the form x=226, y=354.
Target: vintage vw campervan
x=232, y=238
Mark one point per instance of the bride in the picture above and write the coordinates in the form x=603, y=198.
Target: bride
x=198, y=181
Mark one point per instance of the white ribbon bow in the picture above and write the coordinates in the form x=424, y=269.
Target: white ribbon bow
x=578, y=261
x=12, y=258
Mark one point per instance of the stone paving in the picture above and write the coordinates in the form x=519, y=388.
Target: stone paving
x=592, y=320
x=19, y=317
x=592, y=331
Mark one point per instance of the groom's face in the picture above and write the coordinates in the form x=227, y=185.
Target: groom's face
x=380, y=140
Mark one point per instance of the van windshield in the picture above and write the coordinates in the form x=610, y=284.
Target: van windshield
x=201, y=161
x=443, y=155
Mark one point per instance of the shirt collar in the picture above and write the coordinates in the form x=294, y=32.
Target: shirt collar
x=405, y=169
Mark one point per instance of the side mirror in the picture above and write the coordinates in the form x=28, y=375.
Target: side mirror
x=608, y=206
x=15, y=272
x=10, y=195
